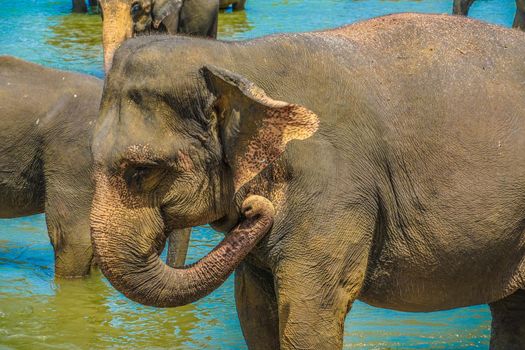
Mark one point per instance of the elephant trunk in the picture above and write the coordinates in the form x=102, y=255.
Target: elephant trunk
x=127, y=240
x=117, y=27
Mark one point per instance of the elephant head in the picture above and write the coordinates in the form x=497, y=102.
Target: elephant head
x=123, y=19
x=172, y=149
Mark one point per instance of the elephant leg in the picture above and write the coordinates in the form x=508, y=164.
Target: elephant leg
x=68, y=228
x=67, y=206
x=319, y=278
x=461, y=7
x=178, y=243
x=212, y=33
x=508, y=322
x=519, y=19
x=257, y=307
x=79, y=6
x=239, y=5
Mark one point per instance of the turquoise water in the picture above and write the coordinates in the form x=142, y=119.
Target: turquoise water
x=38, y=312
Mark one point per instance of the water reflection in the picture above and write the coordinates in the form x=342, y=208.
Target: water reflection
x=88, y=313
x=77, y=37
x=37, y=311
x=233, y=24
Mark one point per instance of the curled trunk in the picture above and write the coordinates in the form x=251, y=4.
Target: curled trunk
x=127, y=240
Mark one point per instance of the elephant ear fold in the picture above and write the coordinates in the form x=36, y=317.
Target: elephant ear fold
x=166, y=10
x=254, y=128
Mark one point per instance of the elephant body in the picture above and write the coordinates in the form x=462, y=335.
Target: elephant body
x=125, y=19
x=47, y=121
x=237, y=5
x=394, y=181
x=461, y=7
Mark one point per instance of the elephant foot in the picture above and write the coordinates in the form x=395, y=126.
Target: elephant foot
x=508, y=322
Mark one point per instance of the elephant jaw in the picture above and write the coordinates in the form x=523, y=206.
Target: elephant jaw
x=126, y=242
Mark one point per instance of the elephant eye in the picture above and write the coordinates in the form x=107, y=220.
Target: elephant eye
x=135, y=9
x=136, y=175
x=140, y=177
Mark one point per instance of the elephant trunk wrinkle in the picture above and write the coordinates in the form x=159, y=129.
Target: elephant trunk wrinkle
x=140, y=274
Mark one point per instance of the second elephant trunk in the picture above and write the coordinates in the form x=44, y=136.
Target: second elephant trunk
x=127, y=240
x=117, y=27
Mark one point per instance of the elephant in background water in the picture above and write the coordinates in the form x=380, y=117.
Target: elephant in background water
x=123, y=19
x=461, y=7
x=47, y=119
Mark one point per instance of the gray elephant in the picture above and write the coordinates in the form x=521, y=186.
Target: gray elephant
x=237, y=5
x=461, y=7
x=123, y=19
x=47, y=119
x=389, y=180
x=79, y=6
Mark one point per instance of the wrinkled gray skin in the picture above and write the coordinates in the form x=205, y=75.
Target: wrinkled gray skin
x=124, y=19
x=393, y=182
x=461, y=7
x=45, y=161
x=237, y=5
x=47, y=119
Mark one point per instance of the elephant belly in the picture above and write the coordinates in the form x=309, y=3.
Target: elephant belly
x=476, y=276
x=20, y=199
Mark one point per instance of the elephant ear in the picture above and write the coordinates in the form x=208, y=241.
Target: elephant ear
x=167, y=11
x=254, y=128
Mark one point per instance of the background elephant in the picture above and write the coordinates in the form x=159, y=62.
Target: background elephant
x=125, y=19
x=237, y=5
x=383, y=190
x=45, y=160
x=461, y=7
x=79, y=6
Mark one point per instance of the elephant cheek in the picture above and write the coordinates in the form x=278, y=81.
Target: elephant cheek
x=116, y=28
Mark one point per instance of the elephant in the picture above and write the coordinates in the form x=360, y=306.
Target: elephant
x=48, y=118
x=461, y=7
x=123, y=19
x=79, y=6
x=388, y=179
x=237, y=5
